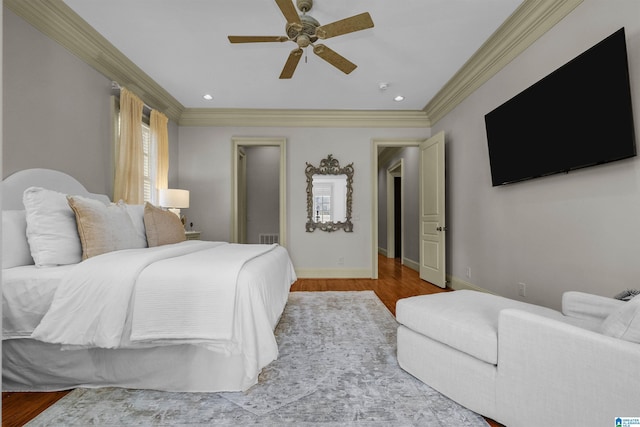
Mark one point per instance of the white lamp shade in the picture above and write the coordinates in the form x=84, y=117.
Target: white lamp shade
x=174, y=198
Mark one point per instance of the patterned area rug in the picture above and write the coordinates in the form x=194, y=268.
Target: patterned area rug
x=337, y=367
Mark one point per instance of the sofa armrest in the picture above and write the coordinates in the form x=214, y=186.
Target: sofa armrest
x=588, y=306
x=553, y=373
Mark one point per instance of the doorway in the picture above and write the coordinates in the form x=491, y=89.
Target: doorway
x=397, y=215
x=242, y=217
x=378, y=157
x=395, y=201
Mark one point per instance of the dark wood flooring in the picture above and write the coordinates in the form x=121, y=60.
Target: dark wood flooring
x=395, y=281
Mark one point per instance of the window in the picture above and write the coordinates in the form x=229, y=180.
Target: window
x=149, y=170
x=322, y=193
x=150, y=163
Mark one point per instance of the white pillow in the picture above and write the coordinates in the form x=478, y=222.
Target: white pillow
x=104, y=228
x=136, y=212
x=51, y=228
x=15, y=247
x=624, y=323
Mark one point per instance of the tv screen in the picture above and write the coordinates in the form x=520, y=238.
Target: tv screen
x=580, y=115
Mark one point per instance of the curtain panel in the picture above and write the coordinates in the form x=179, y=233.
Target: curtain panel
x=160, y=143
x=129, y=174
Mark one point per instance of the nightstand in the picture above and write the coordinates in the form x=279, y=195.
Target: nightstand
x=192, y=235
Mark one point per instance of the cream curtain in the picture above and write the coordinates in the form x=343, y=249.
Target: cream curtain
x=160, y=142
x=129, y=175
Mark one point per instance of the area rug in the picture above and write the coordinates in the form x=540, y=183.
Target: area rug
x=337, y=367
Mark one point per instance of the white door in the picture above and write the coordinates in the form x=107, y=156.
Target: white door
x=432, y=226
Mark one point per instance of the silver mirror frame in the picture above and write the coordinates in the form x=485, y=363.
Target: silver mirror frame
x=329, y=166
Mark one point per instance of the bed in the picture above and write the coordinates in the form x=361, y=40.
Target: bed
x=190, y=316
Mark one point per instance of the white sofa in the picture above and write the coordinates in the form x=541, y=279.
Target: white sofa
x=522, y=364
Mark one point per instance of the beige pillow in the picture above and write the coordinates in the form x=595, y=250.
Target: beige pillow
x=163, y=227
x=104, y=228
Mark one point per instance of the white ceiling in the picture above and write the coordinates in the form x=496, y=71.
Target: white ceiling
x=415, y=47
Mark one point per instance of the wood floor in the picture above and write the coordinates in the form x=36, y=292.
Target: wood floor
x=395, y=282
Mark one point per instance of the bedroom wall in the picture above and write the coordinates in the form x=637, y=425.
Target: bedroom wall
x=565, y=232
x=57, y=111
x=205, y=155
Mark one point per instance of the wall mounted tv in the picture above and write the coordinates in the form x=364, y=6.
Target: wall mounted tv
x=580, y=115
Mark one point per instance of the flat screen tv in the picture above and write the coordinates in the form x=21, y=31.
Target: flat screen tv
x=580, y=115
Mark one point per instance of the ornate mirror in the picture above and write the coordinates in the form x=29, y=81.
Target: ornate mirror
x=329, y=195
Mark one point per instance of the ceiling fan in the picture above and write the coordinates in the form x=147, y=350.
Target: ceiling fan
x=304, y=30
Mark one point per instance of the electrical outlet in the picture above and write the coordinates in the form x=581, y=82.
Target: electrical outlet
x=522, y=289
x=468, y=272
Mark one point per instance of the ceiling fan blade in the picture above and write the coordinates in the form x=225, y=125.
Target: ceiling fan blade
x=257, y=39
x=291, y=64
x=289, y=11
x=345, y=26
x=333, y=58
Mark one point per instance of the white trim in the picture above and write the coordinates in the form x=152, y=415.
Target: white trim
x=332, y=273
x=458, y=284
x=414, y=265
x=303, y=118
x=237, y=143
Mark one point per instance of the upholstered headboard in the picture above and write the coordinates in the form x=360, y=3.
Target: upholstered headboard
x=14, y=185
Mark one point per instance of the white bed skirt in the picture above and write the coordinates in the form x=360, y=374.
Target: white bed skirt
x=30, y=365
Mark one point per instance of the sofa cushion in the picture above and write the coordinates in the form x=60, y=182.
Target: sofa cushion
x=624, y=323
x=465, y=320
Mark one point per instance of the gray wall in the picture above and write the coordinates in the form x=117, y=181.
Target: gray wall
x=263, y=195
x=205, y=154
x=57, y=111
x=579, y=231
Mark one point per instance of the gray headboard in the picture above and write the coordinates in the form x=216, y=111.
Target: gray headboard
x=14, y=185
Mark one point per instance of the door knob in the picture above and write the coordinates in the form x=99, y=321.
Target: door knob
x=442, y=229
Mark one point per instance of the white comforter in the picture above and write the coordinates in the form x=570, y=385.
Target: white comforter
x=182, y=293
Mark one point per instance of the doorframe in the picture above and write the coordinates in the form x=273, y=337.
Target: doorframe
x=241, y=194
x=375, y=144
x=237, y=143
x=396, y=170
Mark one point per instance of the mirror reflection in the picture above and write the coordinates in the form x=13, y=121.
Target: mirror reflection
x=329, y=198
x=329, y=195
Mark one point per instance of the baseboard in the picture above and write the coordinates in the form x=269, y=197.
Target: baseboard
x=333, y=273
x=382, y=251
x=458, y=284
x=414, y=265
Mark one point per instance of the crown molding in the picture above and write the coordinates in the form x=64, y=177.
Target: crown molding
x=303, y=118
x=529, y=22
x=59, y=22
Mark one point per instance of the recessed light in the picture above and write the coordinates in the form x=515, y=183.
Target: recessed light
x=207, y=97
x=399, y=98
